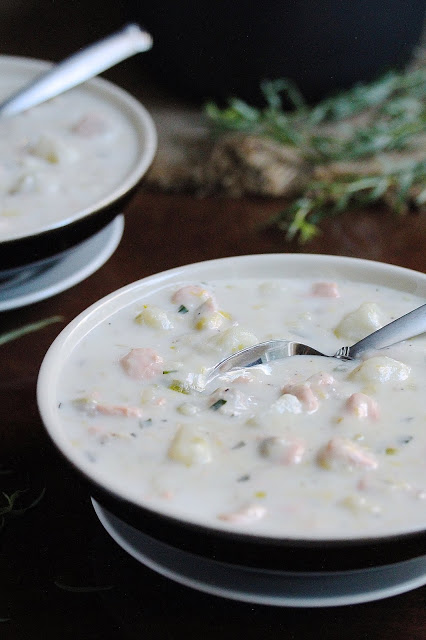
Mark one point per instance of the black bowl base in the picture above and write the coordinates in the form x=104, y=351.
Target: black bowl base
x=39, y=283
x=277, y=588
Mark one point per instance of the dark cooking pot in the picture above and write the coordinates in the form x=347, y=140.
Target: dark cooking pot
x=218, y=49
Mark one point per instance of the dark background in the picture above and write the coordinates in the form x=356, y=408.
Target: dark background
x=61, y=576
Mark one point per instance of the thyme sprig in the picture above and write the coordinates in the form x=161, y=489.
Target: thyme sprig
x=324, y=199
x=28, y=328
x=11, y=507
x=11, y=503
x=365, y=123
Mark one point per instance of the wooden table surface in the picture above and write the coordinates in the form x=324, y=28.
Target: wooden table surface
x=54, y=553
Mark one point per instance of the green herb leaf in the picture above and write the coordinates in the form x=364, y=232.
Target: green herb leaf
x=219, y=403
x=28, y=328
x=178, y=386
x=145, y=423
x=75, y=589
x=393, y=112
x=12, y=508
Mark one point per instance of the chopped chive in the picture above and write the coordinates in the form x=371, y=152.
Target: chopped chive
x=176, y=385
x=145, y=423
x=243, y=478
x=165, y=373
x=182, y=309
x=28, y=328
x=67, y=587
x=219, y=403
x=391, y=451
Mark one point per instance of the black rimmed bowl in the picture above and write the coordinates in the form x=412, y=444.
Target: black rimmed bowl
x=23, y=251
x=344, y=553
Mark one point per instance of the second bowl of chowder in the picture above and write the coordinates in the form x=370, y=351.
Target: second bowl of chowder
x=67, y=166
x=309, y=462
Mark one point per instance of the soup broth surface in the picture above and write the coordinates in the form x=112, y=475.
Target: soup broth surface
x=60, y=157
x=306, y=447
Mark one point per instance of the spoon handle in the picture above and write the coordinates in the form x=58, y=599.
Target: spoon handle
x=409, y=325
x=79, y=67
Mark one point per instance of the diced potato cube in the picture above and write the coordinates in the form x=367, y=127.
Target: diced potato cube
x=152, y=316
x=271, y=288
x=381, y=369
x=234, y=339
x=53, y=150
x=359, y=323
x=212, y=321
x=287, y=403
x=208, y=316
x=190, y=446
x=25, y=183
x=188, y=409
x=359, y=504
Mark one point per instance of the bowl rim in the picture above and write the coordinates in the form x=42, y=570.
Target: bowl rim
x=393, y=276
x=138, y=116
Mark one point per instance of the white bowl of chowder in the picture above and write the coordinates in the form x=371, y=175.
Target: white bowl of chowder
x=67, y=166
x=309, y=462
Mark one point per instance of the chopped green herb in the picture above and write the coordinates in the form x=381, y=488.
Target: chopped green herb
x=182, y=309
x=243, y=478
x=239, y=445
x=67, y=587
x=28, y=328
x=391, y=451
x=12, y=509
x=145, y=423
x=178, y=386
x=165, y=373
x=219, y=403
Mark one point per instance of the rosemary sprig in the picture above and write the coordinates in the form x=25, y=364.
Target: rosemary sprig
x=11, y=507
x=28, y=328
x=81, y=589
x=368, y=122
x=327, y=199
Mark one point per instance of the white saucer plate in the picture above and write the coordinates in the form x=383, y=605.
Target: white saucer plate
x=277, y=588
x=75, y=267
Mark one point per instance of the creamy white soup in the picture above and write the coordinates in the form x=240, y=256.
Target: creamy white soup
x=305, y=447
x=60, y=157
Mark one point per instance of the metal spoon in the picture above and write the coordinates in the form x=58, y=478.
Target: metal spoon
x=79, y=67
x=409, y=325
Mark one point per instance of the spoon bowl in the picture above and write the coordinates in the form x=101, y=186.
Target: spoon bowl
x=407, y=326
